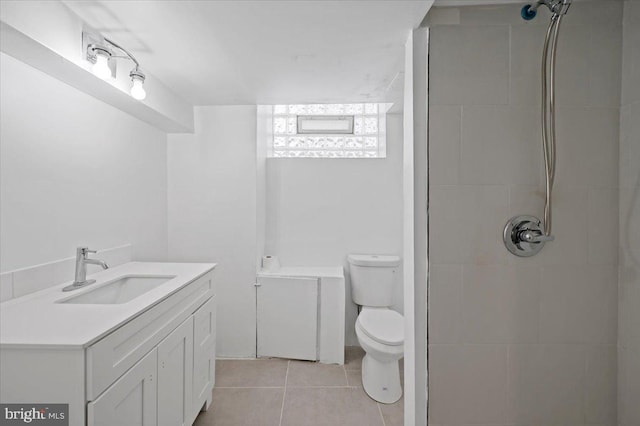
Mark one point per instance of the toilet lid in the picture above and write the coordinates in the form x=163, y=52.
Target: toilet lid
x=382, y=325
x=373, y=260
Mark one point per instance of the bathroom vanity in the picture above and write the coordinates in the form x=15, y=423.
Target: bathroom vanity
x=136, y=347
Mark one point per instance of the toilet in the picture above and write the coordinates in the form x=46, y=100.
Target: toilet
x=380, y=330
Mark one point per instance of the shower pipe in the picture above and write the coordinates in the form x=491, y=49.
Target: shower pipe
x=525, y=235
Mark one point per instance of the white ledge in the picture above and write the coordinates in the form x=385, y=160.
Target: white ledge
x=30, y=51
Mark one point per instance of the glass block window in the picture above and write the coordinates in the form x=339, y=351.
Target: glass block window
x=367, y=138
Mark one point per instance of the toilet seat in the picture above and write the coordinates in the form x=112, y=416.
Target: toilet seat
x=382, y=325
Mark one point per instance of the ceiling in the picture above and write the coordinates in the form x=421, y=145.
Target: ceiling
x=248, y=52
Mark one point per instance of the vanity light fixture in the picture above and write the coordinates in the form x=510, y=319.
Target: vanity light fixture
x=100, y=53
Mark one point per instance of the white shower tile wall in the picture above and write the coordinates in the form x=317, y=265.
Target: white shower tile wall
x=514, y=340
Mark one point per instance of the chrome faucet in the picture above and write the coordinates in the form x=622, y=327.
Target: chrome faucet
x=81, y=268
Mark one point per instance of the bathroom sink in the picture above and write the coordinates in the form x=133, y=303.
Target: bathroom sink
x=121, y=290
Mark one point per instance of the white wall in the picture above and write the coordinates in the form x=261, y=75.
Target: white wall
x=629, y=268
x=317, y=211
x=212, y=214
x=408, y=237
x=264, y=131
x=415, y=226
x=75, y=171
x=420, y=217
x=320, y=210
x=522, y=340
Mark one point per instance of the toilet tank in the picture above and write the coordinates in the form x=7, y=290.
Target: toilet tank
x=372, y=279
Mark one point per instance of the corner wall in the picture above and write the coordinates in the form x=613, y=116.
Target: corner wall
x=522, y=340
x=629, y=272
x=212, y=214
x=320, y=210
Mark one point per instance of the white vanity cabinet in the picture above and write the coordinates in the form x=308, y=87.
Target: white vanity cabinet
x=156, y=369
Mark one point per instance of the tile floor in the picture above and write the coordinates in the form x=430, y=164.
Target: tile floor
x=277, y=392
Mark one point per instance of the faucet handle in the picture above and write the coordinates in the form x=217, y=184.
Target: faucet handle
x=534, y=236
x=84, y=251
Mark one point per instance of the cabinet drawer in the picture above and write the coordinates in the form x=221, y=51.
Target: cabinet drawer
x=112, y=356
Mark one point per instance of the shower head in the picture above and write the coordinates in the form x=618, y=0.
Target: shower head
x=528, y=12
x=557, y=8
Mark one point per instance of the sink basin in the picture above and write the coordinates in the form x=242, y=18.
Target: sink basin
x=121, y=290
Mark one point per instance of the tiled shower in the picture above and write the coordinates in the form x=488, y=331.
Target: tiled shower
x=554, y=338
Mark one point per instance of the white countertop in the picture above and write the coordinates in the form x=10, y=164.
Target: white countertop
x=305, y=272
x=36, y=320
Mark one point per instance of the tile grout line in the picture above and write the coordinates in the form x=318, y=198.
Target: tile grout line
x=249, y=387
x=284, y=394
x=346, y=377
x=323, y=387
x=381, y=416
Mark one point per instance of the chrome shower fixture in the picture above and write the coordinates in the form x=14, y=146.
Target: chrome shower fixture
x=525, y=235
x=557, y=7
x=99, y=52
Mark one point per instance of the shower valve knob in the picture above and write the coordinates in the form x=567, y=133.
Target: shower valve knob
x=524, y=235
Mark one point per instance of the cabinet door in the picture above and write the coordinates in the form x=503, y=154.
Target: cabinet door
x=287, y=317
x=204, y=354
x=131, y=400
x=175, y=376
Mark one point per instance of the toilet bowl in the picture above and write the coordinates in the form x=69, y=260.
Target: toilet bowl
x=380, y=332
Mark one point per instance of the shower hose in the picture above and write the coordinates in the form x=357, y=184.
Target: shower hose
x=549, y=114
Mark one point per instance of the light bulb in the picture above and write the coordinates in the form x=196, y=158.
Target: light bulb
x=137, y=90
x=101, y=67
